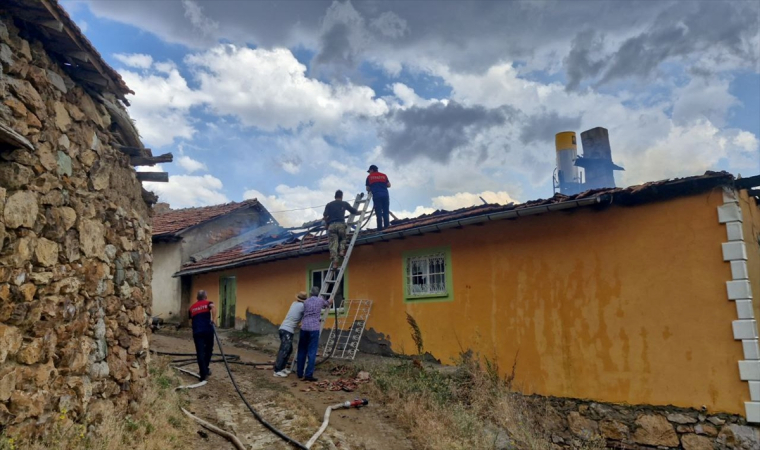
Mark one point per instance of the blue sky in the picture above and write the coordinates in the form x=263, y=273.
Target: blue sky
x=453, y=100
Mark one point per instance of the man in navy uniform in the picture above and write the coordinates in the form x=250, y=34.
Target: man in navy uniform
x=202, y=314
x=378, y=184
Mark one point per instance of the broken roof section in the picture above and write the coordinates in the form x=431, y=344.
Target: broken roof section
x=289, y=244
x=63, y=38
x=171, y=224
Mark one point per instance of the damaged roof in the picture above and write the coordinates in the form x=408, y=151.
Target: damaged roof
x=271, y=248
x=174, y=222
x=61, y=36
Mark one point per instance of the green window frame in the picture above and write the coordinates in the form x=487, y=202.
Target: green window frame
x=427, y=275
x=322, y=267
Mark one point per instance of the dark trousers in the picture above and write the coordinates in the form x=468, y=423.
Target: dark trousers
x=382, y=211
x=286, y=348
x=204, y=348
x=308, y=343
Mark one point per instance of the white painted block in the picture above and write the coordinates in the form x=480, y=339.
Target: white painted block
x=754, y=391
x=729, y=212
x=753, y=411
x=729, y=195
x=744, y=329
x=734, y=231
x=739, y=270
x=734, y=251
x=738, y=289
x=749, y=370
x=744, y=309
x=751, y=349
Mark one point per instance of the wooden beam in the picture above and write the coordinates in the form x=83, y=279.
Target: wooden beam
x=9, y=135
x=134, y=151
x=52, y=24
x=53, y=11
x=86, y=75
x=160, y=177
x=81, y=56
x=151, y=160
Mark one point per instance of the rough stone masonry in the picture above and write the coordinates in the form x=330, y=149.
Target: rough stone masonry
x=75, y=248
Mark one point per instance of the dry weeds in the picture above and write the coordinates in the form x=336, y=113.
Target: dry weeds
x=158, y=425
x=471, y=407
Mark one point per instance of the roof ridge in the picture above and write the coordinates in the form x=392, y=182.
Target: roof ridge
x=199, y=208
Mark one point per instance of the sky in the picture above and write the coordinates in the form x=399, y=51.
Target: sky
x=287, y=101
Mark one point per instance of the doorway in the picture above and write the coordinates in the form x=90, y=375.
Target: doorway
x=227, y=295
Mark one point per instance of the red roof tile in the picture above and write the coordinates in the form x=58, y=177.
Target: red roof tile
x=174, y=221
x=251, y=253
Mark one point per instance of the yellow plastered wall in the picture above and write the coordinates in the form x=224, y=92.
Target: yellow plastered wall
x=622, y=305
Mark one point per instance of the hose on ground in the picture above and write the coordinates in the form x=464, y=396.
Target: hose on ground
x=356, y=403
x=229, y=436
x=258, y=417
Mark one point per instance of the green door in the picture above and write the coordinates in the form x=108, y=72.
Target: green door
x=227, y=293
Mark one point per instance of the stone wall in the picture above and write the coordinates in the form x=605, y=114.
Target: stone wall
x=572, y=423
x=75, y=264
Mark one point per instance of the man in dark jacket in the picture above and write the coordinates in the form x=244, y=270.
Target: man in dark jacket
x=202, y=314
x=378, y=184
x=335, y=220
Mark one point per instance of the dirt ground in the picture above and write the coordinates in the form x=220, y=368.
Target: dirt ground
x=293, y=406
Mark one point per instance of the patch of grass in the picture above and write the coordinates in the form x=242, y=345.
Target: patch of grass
x=158, y=424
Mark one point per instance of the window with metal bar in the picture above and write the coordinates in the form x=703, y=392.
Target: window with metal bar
x=426, y=275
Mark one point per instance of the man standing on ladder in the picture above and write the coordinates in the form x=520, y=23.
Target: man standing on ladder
x=335, y=221
x=378, y=184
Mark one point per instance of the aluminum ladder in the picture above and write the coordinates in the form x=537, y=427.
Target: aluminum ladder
x=335, y=275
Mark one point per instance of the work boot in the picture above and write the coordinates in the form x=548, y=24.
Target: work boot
x=310, y=379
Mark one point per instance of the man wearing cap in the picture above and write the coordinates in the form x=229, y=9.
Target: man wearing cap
x=378, y=184
x=287, y=329
x=202, y=314
x=335, y=220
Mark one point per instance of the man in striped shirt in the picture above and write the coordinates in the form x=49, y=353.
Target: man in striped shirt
x=308, y=340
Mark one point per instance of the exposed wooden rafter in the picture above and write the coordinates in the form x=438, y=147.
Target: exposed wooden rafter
x=151, y=160
x=161, y=177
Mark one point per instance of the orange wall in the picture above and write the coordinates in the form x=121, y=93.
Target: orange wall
x=623, y=305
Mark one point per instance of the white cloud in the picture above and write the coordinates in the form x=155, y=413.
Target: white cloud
x=189, y=164
x=465, y=199
x=703, y=98
x=161, y=104
x=135, y=60
x=183, y=191
x=269, y=89
x=307, y=203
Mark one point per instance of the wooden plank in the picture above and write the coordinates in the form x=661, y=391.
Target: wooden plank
x=151, y=160
x=92, y=77
x=9, y=135
x=134, y=151
x=52, y=24
x=160, y=177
